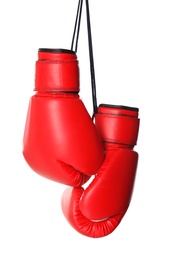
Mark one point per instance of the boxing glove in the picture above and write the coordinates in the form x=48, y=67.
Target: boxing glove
x=60, y=140
x=98, y=210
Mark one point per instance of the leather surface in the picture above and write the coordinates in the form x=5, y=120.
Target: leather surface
x=60, y=140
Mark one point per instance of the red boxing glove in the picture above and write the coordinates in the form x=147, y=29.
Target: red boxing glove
x=60, y=140
x=98, y=210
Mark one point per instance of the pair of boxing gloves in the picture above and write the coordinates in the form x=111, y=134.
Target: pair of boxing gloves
x=62, y=143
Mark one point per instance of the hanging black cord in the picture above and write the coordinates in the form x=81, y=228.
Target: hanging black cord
x=92, y=70
x=77, y=27
x=91, y=57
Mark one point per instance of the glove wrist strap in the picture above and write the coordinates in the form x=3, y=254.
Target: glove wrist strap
x=52, y=68
x=118, y=124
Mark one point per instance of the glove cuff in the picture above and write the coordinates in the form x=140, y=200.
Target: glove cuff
x=57, y=71
x=118, y=124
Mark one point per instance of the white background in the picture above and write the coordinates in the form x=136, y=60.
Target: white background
x=133, y=51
